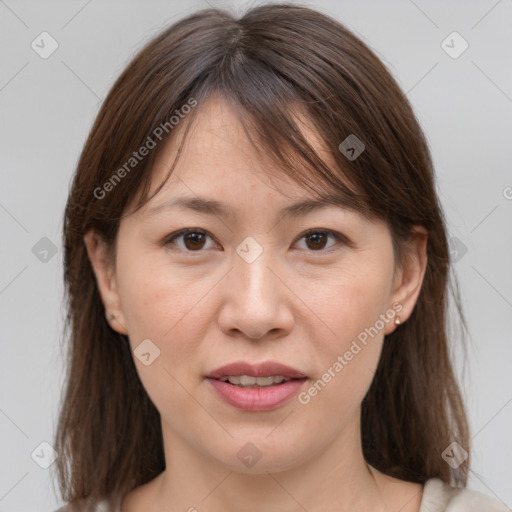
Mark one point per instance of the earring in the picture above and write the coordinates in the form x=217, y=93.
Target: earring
x=111, y=316
x=397, y=320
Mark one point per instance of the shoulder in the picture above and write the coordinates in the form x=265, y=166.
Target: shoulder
x=106, y=505
x=441, y=497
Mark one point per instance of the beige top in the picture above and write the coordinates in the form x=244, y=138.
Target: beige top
x=437, y=497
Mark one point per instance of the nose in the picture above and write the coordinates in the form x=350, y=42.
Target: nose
x=257, y=301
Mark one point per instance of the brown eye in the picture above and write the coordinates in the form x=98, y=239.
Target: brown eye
x=194, y=240
x=316, y=240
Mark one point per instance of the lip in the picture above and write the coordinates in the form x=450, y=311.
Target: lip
x=256, y=399
x=265, y=369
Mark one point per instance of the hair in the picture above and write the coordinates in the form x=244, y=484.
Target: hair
x=271, y=63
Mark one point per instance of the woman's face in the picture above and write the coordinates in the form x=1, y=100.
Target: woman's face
x=249, y=285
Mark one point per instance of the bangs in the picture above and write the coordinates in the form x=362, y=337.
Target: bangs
x=274, y=126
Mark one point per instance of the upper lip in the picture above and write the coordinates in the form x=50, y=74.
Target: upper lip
x=265, y=369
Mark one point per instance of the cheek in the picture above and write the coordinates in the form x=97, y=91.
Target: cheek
x=350, y=298
x=349, y=310
x=165, y=304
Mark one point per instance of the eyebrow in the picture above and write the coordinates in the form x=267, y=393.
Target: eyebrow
x=217, y=208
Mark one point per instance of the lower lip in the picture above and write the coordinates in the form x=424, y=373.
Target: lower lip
x=257, y=399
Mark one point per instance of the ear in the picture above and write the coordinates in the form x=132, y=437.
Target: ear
x=106, y=280
x=409, y=276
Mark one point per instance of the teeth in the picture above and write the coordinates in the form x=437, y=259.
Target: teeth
x=250, y=381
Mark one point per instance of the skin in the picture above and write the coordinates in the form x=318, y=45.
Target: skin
x=301, y=302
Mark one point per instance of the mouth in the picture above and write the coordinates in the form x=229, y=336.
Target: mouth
x=251, y=382
x=256, y=387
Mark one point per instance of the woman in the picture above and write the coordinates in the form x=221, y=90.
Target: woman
x=257, y=271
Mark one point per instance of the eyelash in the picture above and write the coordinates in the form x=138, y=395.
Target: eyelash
x=337, y=236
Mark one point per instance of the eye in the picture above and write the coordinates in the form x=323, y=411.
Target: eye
x=193, y=239
x=317, y=238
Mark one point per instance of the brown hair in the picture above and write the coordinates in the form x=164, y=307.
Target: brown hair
x=271, y=59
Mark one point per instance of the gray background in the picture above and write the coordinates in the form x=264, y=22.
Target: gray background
x=48, y=105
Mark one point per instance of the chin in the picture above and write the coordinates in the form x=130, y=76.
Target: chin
x=259, y=456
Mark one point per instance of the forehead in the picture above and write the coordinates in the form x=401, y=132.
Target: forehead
x=221, y=152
